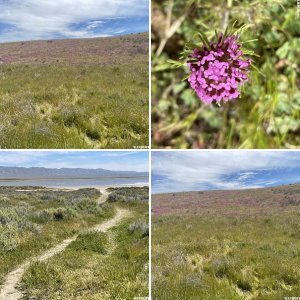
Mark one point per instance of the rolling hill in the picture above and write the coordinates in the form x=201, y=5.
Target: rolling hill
x=238, y=245
x=77, y=93
x=228, y=202
x=103, y=51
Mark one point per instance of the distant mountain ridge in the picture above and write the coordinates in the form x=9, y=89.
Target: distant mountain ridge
x=48, y=173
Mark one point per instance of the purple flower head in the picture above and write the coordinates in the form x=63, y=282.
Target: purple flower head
x=216, y=73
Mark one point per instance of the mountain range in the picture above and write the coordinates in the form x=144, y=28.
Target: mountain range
x=45, y=173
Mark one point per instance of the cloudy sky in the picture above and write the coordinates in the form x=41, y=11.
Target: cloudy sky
x=175, y=171
x=110, y=160
x=22, y=20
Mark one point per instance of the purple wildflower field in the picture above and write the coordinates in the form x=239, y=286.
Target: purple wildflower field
x=253, y=202
x=76, y=51
x=239, y=244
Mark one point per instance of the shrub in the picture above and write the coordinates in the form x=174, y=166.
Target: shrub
x=70, y=116
x=139, y=226
x=9, y=237
x=114, y=197
x=88, y=206
x=49, y=196
x=4, y=200
x=55, y=214
x=128, y=194
x=43, y=216
x=8, y=215
x=244, y=285
x=221, y=267
x=92, y=133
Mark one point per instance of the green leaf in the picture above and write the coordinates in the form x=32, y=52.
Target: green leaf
x=191, y=45
x=186, y=52
x=232, y=27
x=248, y=41
x=203, y=38
x=243, y=28
x=248, y=52
x=175, y=64
x=216, y=34
x=224, y=35
x=179, y=87
x=188, y=97
x=186, y=77
x=259, y=71
x=161, y=67
x=282, y=52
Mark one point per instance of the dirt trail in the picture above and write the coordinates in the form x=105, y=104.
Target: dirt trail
x=103, y=196
x=9, y=290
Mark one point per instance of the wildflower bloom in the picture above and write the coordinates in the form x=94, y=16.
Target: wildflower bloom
x=217, y=73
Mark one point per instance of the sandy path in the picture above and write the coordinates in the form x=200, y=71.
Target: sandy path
x=9, y=290
x=103, y=196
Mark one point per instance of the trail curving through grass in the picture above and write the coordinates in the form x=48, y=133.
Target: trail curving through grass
x=9, y=290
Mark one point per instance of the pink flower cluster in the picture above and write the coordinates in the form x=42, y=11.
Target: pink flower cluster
x=216, y=73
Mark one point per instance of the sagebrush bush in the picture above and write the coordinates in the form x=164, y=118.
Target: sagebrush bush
x=139, y=226
x=24, y=219
x=18, y=216
x=114, y=197
x=128, y=194
x=55, y=214
x=9, y=237
x=87, y=205
x=14, y=221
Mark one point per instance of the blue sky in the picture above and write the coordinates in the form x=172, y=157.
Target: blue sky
x=22, y=20
x=175, y=171
x=110, y=160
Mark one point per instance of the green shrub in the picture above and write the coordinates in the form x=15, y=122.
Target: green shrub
x=128, y=194
x=55, y=214
x=221, y=267
x=244, y=285
x=9, y=237
x=139, y=226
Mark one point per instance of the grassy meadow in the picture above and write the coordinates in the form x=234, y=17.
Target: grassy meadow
x=226, y=245
x=266, y=115
x=90, y=93
x=96, y=265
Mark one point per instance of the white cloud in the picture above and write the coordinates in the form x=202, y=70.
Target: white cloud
x=41, y=19
x=118, y=153
x=20, y=157
x=94, y=24
x=185, y=170
x=246, y=175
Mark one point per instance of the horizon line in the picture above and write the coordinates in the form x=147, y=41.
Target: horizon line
x=76, y=38
x=216, y=190
x=72, y=168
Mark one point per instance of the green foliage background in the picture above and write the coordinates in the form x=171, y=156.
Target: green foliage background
x=267, y=113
